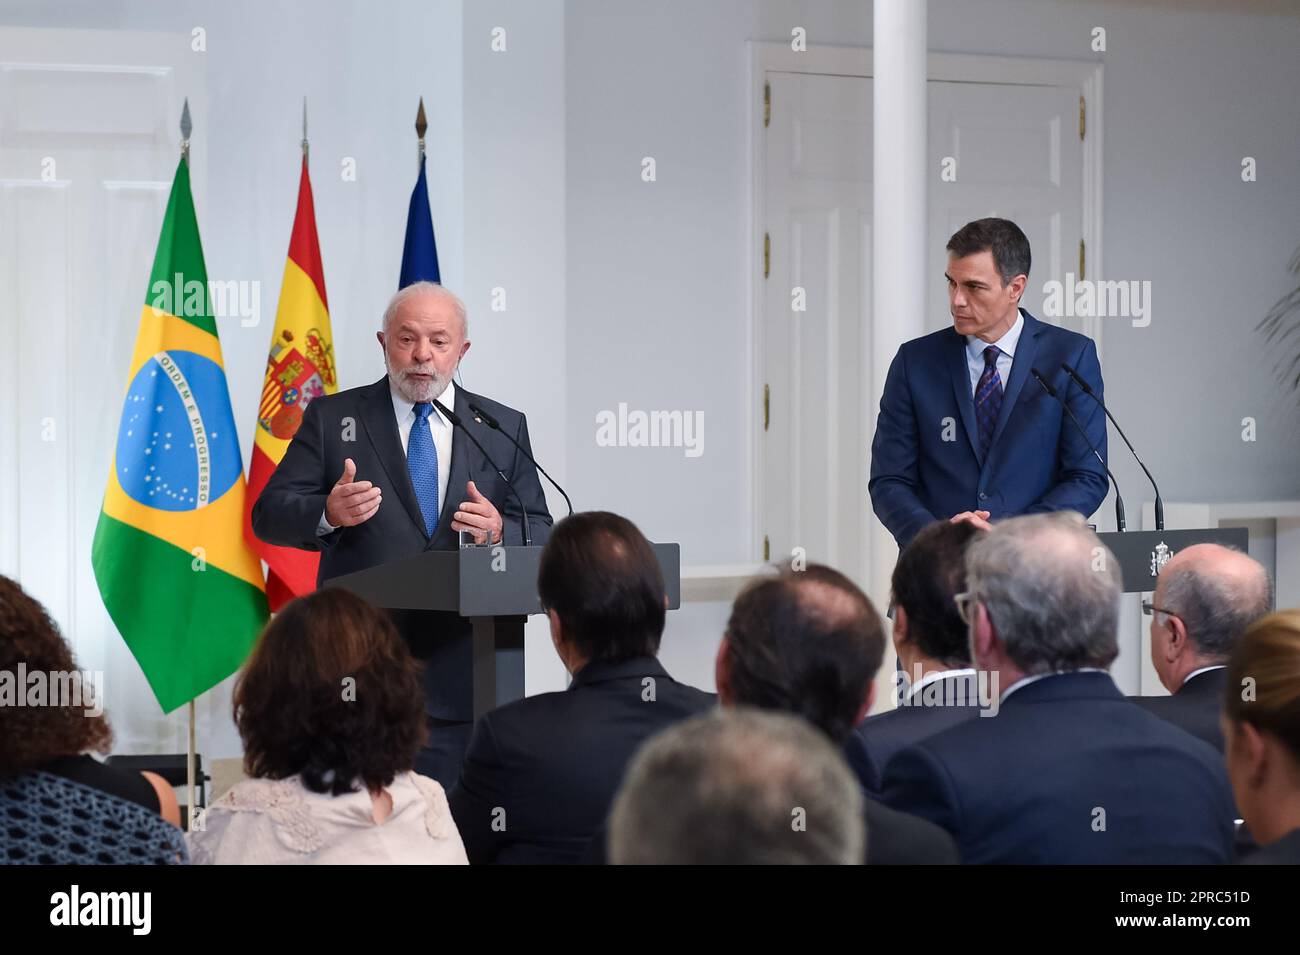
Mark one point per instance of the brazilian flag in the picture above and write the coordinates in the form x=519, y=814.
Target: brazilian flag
x=180, y=582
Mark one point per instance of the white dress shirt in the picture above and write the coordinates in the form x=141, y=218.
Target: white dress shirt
x=1213, y=666
x=1006, y=344
x=1026, y=680
x=404, y=412
x=935, y=675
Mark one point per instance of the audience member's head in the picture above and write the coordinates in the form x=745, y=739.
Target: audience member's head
x=331, y=693
x=601, y=587
x=1205, y=598
x=1261, y=724
x=738, y=787
x=931, y=570
x=1042, y=597
x=67, y=724
x=806, y=642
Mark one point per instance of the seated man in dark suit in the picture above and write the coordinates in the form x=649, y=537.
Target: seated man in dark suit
x=1205, y=598
x=738, y=786
x=930, y=638
x=810, y=643
x=541, y=772
x=1068, y=771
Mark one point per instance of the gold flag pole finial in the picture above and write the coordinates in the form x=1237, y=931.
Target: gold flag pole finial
x=421, y=124
x=186, y=128
x=304, y=127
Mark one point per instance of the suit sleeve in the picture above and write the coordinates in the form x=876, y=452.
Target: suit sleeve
x=528, y=484
x=478, y=800
x=915, y=782
x=289, y=509
x=894, y=454
x=1082, y=481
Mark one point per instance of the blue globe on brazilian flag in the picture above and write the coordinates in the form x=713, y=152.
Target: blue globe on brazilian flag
x=184, y=589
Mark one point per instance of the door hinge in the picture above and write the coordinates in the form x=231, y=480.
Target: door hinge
x=1083, y=116
x=1081, y=260
x=767, y=548
x=767, y=105
x=767, y=254
x=767, y=406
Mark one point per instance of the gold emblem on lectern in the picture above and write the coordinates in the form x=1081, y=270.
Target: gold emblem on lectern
x=1159, y=557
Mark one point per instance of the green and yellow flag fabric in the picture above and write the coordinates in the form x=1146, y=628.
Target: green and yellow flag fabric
x=179, y=580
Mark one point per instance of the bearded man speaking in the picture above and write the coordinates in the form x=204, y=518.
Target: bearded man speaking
x=378, y=473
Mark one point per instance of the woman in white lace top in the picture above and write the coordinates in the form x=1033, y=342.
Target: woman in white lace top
x=331, y=713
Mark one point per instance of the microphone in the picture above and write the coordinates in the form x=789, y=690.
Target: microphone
x=1160, y=505
x=495, y=425
x=457, y=423
x=1119, y=500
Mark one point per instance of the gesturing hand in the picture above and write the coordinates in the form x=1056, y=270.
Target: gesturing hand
x=978, y=518
x=479, y=516
x=351, y=502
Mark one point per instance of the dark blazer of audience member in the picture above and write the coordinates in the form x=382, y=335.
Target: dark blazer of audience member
x=810, y=643
x=1261, y=727
x=541, y=772
x=937, y=687
x=59, y=739
x=1205, y=598
x=1068, y=771
x=731, y=787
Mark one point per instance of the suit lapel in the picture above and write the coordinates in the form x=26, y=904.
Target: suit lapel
x=960, y=374
x=457, y=476
x=1021, y=362
x=381, y=427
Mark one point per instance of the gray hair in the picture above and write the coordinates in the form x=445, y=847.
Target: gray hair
x=1052, y=590
x=738, y=786
x=431, y=288
x=1216, y=608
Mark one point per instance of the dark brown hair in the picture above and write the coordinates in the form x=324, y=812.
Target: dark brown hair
x=931, y=569
x=332, y=693
x=1002, y=237
x=600, y=575
x=806, y=642
x=1263, y=686
x=31, y=736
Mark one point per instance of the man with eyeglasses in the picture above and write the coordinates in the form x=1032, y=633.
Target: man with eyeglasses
x=1205, y=598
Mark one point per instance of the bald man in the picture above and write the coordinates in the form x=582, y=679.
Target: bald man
x=1205, y=598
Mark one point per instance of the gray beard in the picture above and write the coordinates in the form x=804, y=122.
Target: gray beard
x=414, y=391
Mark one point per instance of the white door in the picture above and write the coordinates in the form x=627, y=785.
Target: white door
x=1016, y=154
x=89, y=141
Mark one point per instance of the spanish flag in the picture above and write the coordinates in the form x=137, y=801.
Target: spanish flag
x=175, y=573
x=299, y=369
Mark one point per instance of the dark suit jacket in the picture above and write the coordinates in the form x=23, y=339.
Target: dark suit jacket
x=1038, y=460
x=359, y=424
x=884, y=734
x=1195, y=707
x=553, y=762
x=1284, y=851
x=1025, y=786
x=896, y=838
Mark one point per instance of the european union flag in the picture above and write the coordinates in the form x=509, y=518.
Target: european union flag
x=420, y=253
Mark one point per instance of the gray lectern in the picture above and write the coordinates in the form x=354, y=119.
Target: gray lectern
x=1141, y=554
x=495, y=588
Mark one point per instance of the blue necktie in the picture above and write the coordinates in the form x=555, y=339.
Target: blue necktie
x=988, y=399
x=422, y=462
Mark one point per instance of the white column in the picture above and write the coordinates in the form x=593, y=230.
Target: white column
x=898, y=256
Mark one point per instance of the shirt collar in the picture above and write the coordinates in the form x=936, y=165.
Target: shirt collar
x=1006, y=344
x=1025, y=681
x=934, y=675
x=1212, y=666
x=402, y=407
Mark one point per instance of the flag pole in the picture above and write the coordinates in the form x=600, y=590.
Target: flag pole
x=421, y=124
x=304, y=127
x=187, y=127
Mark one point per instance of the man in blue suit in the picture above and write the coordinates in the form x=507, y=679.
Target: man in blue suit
x=1064, y=769
x=964, y=431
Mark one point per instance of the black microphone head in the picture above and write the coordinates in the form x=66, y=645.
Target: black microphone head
x=1087, y=390
x=448, y=414
x=1042, y=381
x=486, y=418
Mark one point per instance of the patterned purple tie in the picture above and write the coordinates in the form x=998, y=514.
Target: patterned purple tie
x=988, y=399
